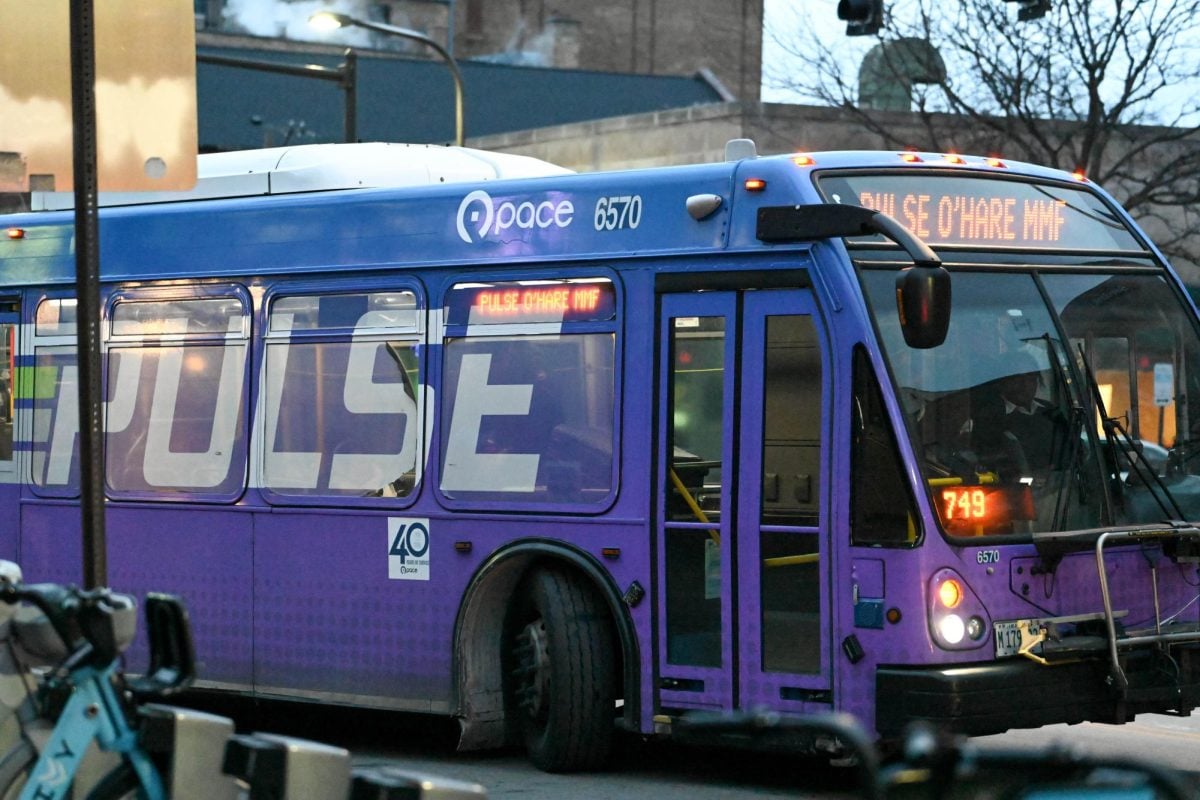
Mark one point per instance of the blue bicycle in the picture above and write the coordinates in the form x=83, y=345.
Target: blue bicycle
x=85, y=695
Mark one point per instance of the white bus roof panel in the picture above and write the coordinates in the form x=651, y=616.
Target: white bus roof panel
x=325, y=167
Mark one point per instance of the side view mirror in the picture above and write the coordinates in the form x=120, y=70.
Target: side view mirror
x=922, y=290
x=923, y=302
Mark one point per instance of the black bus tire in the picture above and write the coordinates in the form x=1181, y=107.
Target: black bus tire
x=562, y=672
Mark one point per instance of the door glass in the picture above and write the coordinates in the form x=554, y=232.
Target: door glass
x=8, y=331
x=790, y=552
x=695, y=440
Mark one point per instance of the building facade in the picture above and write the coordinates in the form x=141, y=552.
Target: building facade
x=647, y=37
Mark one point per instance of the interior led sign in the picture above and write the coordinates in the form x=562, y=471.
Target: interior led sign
x=944, y=208
x=514, y=301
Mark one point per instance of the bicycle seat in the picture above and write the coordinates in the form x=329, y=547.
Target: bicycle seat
x=10, y=573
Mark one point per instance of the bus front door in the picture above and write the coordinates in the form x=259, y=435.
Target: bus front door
x=743, y=569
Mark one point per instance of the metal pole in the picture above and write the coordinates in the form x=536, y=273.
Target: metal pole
x=87, y=290
x=346, y=76
x=416, y=36
x=349, y=70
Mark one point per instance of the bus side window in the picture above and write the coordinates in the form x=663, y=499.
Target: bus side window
x=341, y=395
x=176, y=404
x=880, y=500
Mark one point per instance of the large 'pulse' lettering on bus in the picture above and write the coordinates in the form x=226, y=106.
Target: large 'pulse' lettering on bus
x=162, y=466
x=361, y=394
x=466, y=469
x=487, y=217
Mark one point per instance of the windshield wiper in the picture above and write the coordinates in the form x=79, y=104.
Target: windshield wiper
x=1075, y=422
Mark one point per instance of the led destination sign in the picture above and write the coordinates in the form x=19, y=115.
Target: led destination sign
x=952, y=209
x=516, y=301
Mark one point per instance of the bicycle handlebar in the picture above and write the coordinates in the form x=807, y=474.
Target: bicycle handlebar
x=82, y=618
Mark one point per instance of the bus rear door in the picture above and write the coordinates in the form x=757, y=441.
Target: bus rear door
x=743, y=548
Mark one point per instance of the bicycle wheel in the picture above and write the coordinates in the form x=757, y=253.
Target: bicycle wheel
x=15, y=767
x=121, y=783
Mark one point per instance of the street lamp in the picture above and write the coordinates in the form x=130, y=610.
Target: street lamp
x=331, y=20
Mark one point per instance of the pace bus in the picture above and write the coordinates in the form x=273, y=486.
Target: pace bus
x=906, y=435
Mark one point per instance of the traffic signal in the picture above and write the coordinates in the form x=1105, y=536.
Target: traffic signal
x=1030, y=9
x=863, y=17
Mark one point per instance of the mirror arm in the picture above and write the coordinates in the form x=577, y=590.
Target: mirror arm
x=829, y=220
x=921, y=253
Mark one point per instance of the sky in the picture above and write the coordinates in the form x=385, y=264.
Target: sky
x=821, y=16
x=782, y=15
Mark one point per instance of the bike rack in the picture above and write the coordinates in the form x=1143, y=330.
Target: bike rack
x=278, y=767
x=192, y=743
x=1165, y=535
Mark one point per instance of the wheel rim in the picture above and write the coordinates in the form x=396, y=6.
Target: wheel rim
x=533, y=669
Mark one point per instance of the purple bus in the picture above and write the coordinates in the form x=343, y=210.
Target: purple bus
x=443, y=431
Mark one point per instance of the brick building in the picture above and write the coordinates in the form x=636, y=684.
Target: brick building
x=648, y=37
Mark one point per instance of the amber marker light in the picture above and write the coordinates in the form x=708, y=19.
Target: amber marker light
x=803, y=161
x=950, y=593
x=954, y=158
x=910, y=158
x=995, y=162
x=755, y=184
x=15, y=233
x=1079, y=176
x=893, y=615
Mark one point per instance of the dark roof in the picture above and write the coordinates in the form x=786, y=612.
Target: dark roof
x=412, y=100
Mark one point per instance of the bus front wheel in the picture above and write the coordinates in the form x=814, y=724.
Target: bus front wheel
x=562, y=672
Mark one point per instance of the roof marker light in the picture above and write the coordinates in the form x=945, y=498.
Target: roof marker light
x=803, y=161
x=1079, y=176
x=954, y=158
x=995, y=162
x=755, y=184
x=16, y=233
x=911, y=158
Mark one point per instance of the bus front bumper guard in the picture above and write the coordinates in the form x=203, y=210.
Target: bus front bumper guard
x=991, y=697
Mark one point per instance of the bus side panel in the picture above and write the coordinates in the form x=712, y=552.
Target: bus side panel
x=10, y=517
x=329, y=622
x=202, y=554
x=50, y=542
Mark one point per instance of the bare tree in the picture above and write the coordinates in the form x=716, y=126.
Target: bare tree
x=1093, y=86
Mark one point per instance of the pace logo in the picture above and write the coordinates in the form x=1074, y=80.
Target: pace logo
x=480, y=217
x=408, y=549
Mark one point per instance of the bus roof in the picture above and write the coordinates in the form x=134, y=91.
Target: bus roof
x=324, y=167
x=324, y=208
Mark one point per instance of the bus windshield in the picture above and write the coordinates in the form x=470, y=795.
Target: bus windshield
x=1057, y=402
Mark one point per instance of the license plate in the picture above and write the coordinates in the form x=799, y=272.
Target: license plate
x=1010, y=635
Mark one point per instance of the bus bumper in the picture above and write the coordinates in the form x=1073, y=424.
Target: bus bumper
x=992, y=697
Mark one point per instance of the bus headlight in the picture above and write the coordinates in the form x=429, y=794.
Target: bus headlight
x=957, y=618
x=952, y=628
